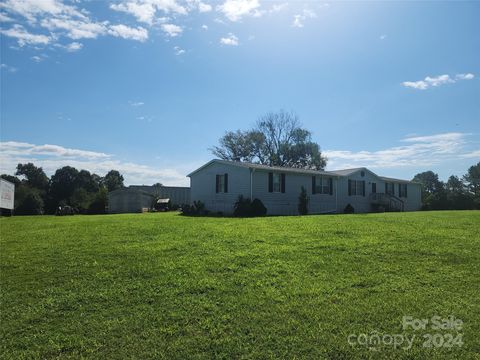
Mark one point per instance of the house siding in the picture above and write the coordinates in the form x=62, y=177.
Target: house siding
x=287, y=203
x=361, y=204
x=203, y=189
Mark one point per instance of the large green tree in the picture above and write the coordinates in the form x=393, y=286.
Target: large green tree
x=35, y=177
x=472, y=178
x=278, y=139
x=113, y=180
x=430, y=182
x=63, y=183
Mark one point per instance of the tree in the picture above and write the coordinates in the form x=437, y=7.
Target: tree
x=277, y=140
x=35, y=176
x=100, y=202
x=455, y=185
x=113, y=180
x=62, y=184
x=434, y=196
x=303, y=202
x=472, y=178
x=457, y=196
x=81, y=199
x=88, y=182
x=430, y=182
x=30, y=203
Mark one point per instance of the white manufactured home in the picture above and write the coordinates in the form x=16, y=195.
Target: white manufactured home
x=219, y=183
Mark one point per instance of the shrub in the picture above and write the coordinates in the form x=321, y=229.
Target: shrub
x=258, y=209
x=303, y=202
x=243, y=207
x=349, y=209
x=198, y=208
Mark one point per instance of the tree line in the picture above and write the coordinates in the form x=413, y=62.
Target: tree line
x=455, y=194
x=36, y=193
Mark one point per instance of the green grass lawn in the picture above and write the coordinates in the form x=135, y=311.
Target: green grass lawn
x=166, y=286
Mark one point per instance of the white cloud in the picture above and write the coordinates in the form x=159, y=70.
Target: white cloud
x=21, y=148
x=74, y=46
x=204, y=27
x=203, y=7
x=471, y=155
x=417, y=151
x=178, y=50
x=468, y=76
x=31, y=9
x=278, y=7
x=436, y=81
x=76, y=29
x=52, y=157
x=24, y=37
x=230, y=40
x=68, y=21
x=145, y=10
x=5, y=18
x=37, y=58
x=172, y=30
x=8, y=68
x=298, y=19
x=127, y=32
x=136, y=103
x=234, y=10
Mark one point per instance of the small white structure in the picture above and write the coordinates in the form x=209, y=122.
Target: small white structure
x=7, y=194
x=218, y=184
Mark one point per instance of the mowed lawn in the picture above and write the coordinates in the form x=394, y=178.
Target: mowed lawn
x=167, y=286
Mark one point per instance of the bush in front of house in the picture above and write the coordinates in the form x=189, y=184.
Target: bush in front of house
x=348, y=209
x=198, y=208
x=258, y=209
x=244, y=207
x=303, y=202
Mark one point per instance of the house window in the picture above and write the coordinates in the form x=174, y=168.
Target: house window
x=356, y=187
x=322, y=185
x=402, y=190
x=390, y=188
x=222, y=183
x=276, y=182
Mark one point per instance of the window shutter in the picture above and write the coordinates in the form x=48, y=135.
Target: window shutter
x=330, y=183
x=217, y=181
x=270, y=182
x=386, y=188
x=393, y=189
x=226, y=183
x=283, y=183
x=406, y=187
x=349, y=187
x=363, y=187
x=313, y=184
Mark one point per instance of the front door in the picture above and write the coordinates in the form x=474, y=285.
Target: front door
x=374, y=188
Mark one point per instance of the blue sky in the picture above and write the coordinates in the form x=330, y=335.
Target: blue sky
x=147, y=86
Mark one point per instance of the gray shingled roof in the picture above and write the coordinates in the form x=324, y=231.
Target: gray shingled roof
x=346, y=172
x=342, y=172
x=263, y=167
